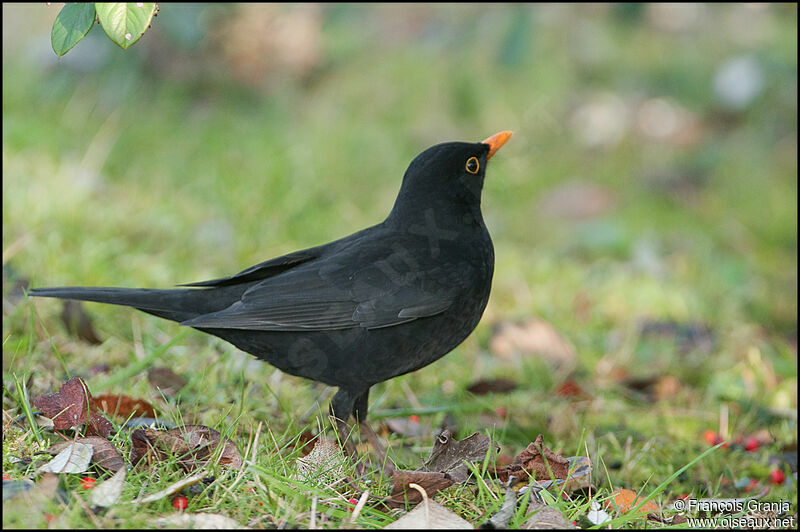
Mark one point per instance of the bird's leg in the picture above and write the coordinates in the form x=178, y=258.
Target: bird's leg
x=360, y=413
x=341, y=408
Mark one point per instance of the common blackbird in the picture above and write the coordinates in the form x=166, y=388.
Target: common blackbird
x=360, y=310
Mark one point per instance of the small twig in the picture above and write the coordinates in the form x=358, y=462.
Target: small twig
x=359, y=506
x=313, y=524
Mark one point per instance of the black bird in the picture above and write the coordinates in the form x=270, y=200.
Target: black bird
x=379, y=303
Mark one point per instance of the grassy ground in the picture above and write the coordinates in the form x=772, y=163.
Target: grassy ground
x=606, y=217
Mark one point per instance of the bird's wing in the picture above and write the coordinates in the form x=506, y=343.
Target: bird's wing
x=357, y=287
x=264, y=269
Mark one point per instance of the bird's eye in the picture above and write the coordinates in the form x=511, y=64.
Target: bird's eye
x=473, y=165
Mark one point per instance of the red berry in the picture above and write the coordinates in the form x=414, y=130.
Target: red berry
x=751, y=444
x=711, y=437
x=776, y=476
x=413, y=418
x=87, y=483
x=180, y=502
x=352, y=501
x=752, y=485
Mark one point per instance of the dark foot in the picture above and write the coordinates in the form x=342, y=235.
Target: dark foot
x=346, y=440
x=386, y=466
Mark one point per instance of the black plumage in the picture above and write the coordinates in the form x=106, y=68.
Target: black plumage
x=376, y=304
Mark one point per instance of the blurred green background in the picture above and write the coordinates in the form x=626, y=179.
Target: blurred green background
x=652, y=174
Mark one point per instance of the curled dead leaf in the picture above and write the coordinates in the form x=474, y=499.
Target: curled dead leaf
x=123, y=406
x=193, y=445
x=68, y=407
x=625, y=500
x=73, y=458
x=166, y=381
x=325, y=462
x=536, y=460
x=450, y=455
x=105, y=455
x=432, y=482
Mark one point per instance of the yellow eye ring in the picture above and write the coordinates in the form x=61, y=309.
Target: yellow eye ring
x=473, y=165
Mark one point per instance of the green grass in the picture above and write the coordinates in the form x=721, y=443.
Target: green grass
x=128, y=176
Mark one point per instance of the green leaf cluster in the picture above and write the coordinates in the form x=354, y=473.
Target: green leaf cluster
x=123, y=22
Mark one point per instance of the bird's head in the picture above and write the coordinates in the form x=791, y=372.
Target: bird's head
x=447, y=176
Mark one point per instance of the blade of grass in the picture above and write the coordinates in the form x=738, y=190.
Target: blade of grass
x=22, y=392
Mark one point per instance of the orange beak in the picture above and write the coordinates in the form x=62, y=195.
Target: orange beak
x=496, y=141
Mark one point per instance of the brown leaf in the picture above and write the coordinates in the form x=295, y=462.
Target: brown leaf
x=625, y=499
x=123, y=406
x=546, y=518
x=166, y=380
x=105, y=454
x=78, y=322
x=655, y=388
x=431, y=482
x=68, y=407
x=194, y=445
x=535, y=459
x=140, y=446
x=484, y=386
x=97, y=425
x=532, y=337
x=569, y=388
x=449, y=454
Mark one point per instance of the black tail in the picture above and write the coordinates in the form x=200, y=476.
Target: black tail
x=177, y=305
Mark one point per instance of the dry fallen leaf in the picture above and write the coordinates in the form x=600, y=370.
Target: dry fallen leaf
x=74, y=458
x=624, y=500
x=325, y=462
x=98, y=425
x=536, y=460
x=431, y=482
x=484, y=386
x=78, y=322
x=123, y=406
x=104, y=454
x=655, y=388
x=429, y=516
x=194, y=445
x=546, y=518
x=71, y=407
x=109, y=492
x=450, y=455
x=166, y=381
x=68, y=407
x=532, y=337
